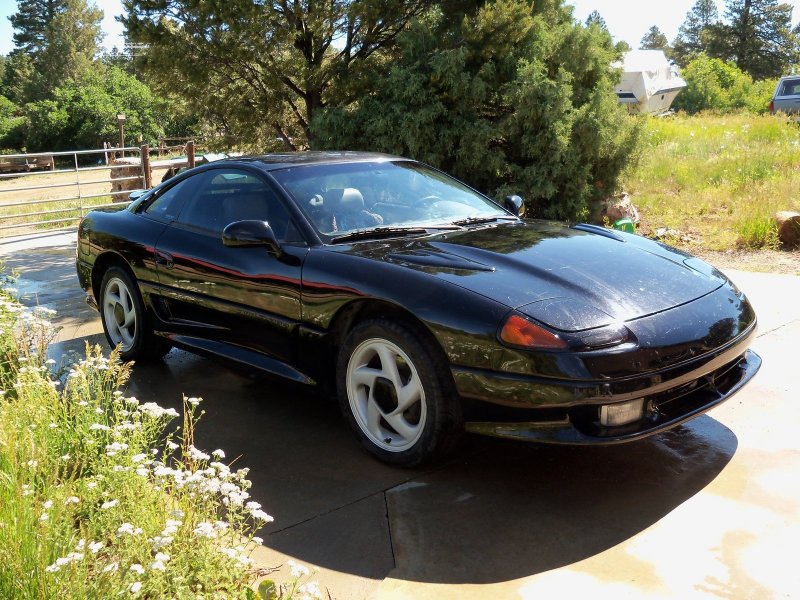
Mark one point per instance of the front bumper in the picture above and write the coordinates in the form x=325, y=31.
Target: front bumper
x=579, y=424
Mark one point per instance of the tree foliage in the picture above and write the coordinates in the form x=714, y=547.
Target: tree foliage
x=595, y=18
x=714, y=85
x=693, y=34
x=262, y=69
x=60, y=39
x=511, y=97
x=760, y=38
x=82, y=113
x=654, y=39
x=756, y=35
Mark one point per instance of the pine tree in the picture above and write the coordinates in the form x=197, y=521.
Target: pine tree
x=654, y=39
x=595, y=18
x=31, y=23
x=758, y=36
x=512, y=98
x=692, y=38
x=60, y=38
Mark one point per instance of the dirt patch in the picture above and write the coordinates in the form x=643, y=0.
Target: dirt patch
x=785, y=262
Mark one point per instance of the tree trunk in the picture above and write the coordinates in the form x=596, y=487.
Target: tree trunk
x=788, y=223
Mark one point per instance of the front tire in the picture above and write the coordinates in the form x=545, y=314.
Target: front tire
x=397, y=393
x=125, y=320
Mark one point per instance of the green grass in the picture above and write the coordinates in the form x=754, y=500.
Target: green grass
x=718, y=180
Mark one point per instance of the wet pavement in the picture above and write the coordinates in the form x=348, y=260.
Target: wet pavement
x=710, y=509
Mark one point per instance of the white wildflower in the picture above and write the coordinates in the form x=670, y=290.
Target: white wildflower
x=72, y=500
x=33, y=464
x=135, y=587
x=111, y=567
x=65, y=457
x=205, y=529
x=52, y=568
x=99, y=427
x=44, y=517
x=310, y=589
x=109, y=504
x=172, y=446
x=137, y=568
x=218, y=453
x=196, y=454
x=137, y=458
x=48, y=504
x=194, y=401
x=95, y=547
x=298, y=570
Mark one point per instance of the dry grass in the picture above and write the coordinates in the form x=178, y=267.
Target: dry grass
x=55, y=199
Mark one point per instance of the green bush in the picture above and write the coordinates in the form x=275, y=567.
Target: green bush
x=721, y=87
x=512, y=97
x=83, y=114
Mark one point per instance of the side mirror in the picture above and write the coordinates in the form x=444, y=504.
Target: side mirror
x=515, y=205
x=250, y=234
x=136, y=194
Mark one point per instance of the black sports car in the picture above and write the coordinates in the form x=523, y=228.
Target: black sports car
x=426, y=306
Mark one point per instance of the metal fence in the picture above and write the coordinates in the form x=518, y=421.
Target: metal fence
x=73, y=183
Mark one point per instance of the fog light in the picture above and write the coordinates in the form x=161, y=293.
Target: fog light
x=621, y=414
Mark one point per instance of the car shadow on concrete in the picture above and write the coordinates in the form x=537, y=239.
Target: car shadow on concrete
x=495, y=511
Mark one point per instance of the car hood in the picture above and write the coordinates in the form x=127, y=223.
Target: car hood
x=568, y=278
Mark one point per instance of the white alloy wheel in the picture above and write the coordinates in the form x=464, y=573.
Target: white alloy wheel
x=119, y=313
x=386, y=395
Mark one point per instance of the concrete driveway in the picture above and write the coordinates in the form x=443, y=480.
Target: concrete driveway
x=710, y=509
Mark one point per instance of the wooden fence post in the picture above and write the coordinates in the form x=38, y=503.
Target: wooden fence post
x=190, y=153
x=146, y=171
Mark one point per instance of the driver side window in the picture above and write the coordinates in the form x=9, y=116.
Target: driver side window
x=227, y=195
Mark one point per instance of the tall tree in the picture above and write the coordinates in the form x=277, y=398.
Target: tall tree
x=654, y=39
x=31, y=23
x=595, y=18
x=693, y=34
x=758, y=36
x=265, y=68
x=61, y=38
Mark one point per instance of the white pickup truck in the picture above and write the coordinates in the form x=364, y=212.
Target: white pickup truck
x=787, y=96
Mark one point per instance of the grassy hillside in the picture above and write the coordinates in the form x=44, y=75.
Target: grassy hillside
x=717, y=181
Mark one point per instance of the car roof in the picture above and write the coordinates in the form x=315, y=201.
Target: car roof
x=273, y=162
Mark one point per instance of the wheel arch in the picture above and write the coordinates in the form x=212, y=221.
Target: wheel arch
x=104, y=262
x=362, y=310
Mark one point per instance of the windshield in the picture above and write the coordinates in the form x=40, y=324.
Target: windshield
x=341, y=198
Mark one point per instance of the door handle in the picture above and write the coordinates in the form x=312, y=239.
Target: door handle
x=164, y=259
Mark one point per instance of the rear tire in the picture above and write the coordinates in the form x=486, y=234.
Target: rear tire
x=397, y=394
x=125, y=320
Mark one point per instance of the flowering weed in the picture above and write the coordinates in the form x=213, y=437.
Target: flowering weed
x=98, y=498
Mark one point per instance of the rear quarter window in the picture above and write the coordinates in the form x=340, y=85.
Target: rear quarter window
x=790, y=87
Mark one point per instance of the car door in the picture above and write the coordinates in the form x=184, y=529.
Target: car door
x=244, y=296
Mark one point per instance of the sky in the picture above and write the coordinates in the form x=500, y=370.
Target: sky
x=626, y=20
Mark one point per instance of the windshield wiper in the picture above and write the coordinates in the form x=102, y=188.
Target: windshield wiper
x=384, y=232
x=479, y=220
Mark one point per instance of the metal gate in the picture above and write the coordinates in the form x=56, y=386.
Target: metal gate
x=71, y=177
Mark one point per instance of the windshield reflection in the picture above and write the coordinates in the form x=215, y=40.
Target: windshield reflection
x=341, y=198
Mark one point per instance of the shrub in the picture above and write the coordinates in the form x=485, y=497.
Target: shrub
x=719, y=86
